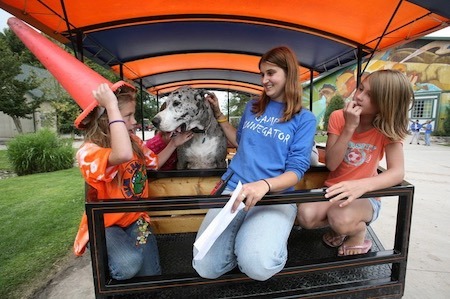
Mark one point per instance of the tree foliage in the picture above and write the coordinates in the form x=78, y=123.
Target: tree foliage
x=446, y=124
x=149, y=107
x=237, y=103
x=236, y=107
x=336, y=103
x=13, y=89
x=14, y=54
x=16, y=46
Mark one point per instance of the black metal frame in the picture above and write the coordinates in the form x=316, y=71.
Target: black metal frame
x=395, y=258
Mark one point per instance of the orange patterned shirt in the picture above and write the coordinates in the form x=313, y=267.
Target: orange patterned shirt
x=364, y=152
x=125, y=181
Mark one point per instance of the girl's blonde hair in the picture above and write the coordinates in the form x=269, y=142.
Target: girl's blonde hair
x=97, y=128
x=393, y=94
x=284, y=58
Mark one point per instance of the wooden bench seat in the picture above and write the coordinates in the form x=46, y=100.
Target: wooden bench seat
x=312, y=271
x=175, y=221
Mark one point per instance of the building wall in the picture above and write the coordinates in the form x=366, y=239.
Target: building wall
x=8, y=129
x=425, y=62
x=43, y=117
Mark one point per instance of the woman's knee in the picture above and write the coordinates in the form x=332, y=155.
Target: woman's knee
x=308, y=216
x=338, y=218
x=126, y=267
x=206, y=269
x=261, y=267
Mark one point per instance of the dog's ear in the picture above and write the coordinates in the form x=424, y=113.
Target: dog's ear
x=202, y=92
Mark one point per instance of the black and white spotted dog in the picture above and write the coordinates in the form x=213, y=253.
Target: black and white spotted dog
x=187, y=109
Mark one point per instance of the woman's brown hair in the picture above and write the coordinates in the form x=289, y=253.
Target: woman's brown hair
x=284, y=58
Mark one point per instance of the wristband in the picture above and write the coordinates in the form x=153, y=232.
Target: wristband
x=116, y=121
x=268, y=184
x=224, y=119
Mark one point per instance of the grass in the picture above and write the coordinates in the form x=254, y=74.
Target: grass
x=4, y=163
x=320, y=138
x=40, y=217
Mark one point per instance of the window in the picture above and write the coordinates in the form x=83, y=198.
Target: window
x=423, y=108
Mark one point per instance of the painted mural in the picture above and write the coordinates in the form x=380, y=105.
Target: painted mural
x=425, y=62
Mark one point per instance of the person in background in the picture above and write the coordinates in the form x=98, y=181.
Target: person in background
x=114, y=162
x=374, y=123
x=415, y=130
x=166, y=141
x=274, y=141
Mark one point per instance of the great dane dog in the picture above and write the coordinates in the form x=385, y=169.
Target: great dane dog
x=188, y=109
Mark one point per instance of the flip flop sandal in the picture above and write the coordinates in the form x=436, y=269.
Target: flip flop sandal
x=333, y=241
x=364, y=248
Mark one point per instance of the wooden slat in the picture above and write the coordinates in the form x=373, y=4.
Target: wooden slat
x=176, y=221
x=181, y=186
x=176, y=224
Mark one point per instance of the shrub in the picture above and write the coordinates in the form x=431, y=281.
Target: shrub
x=40, y=152
x=438, y=133
x=447, y=121
x=336, y=103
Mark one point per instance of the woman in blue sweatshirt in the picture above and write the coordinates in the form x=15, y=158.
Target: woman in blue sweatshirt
x=274, y=139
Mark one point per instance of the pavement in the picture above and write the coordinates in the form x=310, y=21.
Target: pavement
x=427, y=168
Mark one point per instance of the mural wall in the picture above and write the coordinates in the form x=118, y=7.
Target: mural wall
x=425, y=62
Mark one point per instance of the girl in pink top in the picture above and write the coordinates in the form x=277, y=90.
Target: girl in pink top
x=373, y=123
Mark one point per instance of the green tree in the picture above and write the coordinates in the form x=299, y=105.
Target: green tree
x=236, y=107
x=336, y=102
x=446, y=124
x=12, y=90
x=149, y=106
x=237, y=103
x=16, y=46
x=66, y=109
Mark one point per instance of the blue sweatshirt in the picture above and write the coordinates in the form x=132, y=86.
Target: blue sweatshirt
x=268, y=148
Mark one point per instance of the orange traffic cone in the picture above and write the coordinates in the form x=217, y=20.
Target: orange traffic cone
x=76, y=78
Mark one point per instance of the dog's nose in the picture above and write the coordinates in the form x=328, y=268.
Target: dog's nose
x=156, y=121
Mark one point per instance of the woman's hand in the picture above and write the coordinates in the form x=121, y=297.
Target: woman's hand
x=105, y=96
x=214, y=101
x=250, y=194
x=352, y=112
x=346, y=191
x=181, y=138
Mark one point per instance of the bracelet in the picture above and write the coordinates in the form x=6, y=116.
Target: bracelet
x=268, y=184
x=116, y=121
x=224, y=119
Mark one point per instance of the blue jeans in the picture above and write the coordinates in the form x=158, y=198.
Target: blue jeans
x=125, y=258
x=256, y=241
x=427, y=138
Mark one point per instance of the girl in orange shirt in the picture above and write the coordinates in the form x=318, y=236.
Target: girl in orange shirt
x=373, y=123
x=114, y=162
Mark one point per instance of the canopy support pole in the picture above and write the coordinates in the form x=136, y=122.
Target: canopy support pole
x=142, y=108
x=381, y=37
x=311, y=88
x=359, y=72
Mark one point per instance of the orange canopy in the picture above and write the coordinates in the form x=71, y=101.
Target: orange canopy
x=218, y=43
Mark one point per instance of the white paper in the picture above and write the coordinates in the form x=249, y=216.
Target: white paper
x=218, y=225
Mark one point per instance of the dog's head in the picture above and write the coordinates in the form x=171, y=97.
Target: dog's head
x=186, y=109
